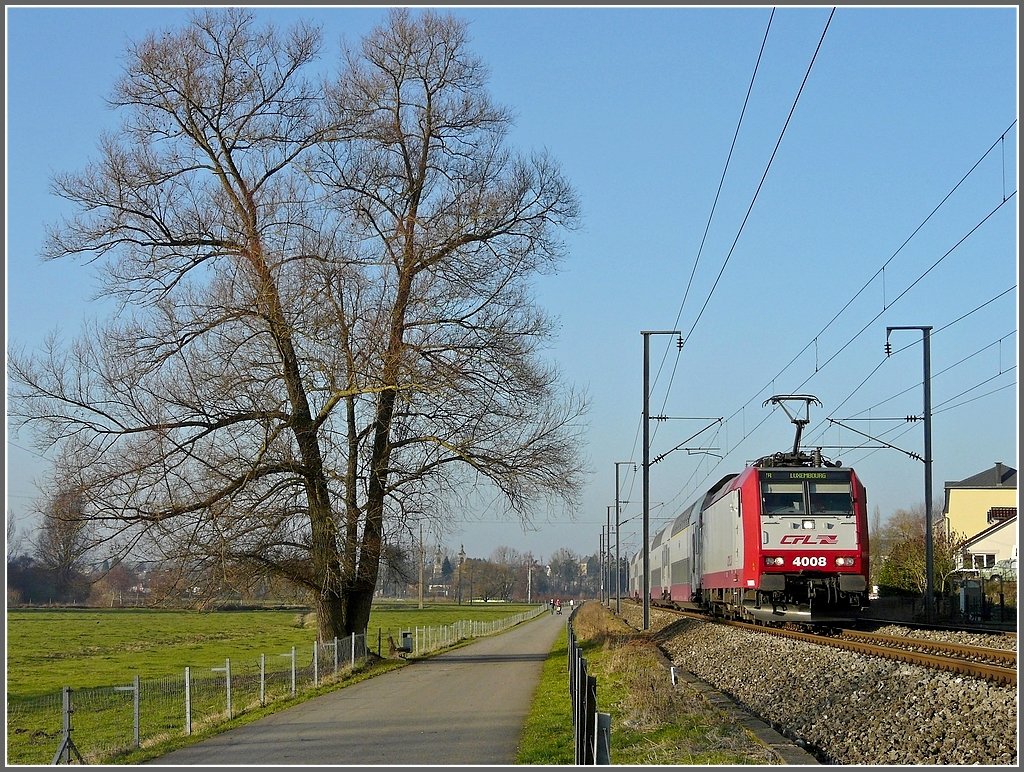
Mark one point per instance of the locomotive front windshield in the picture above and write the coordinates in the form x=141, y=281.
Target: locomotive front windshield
x=831, y=498
x=806, y=493
x=782, y=498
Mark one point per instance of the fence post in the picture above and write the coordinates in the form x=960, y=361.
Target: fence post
x=188, y=701
x=138, y=715
x=135, y=707
x=590, y=721
x=67, y=745
x=603, y=739
x=335, y=656
x=227, y=672
x=292, y=655
x=263, y=679
x=579, y=676
x=316, y=664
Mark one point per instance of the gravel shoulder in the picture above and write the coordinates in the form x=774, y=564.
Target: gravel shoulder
x=844, y=707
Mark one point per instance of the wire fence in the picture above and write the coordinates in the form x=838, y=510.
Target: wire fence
x=95, y=724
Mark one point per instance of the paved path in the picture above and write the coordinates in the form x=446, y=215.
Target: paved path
x=466, y=706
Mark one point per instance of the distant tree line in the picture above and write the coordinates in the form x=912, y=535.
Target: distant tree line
x=58, y=565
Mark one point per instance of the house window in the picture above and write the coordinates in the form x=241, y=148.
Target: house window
x=983, y=561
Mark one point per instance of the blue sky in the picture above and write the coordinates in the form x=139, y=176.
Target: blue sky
x=875, y=187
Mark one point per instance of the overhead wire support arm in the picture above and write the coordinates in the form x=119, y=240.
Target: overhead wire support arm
x=691, y=437
x=907, y=418
x=876, y=439
x=705, y=451
x=684, y=418
x=689, y=452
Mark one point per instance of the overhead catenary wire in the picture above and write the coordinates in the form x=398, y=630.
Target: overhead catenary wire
x=888, y=303
x=934, y=375
x=815, y=430
x=819, y=366
x=974, y=399
x=718, y=192
x=755, y=195
x=764, y=176
x=888, y=306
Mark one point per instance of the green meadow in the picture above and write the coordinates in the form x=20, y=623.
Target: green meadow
x=47, y=650
x=85, y=649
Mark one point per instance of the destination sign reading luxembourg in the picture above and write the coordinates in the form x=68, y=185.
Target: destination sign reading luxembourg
x=824, y=475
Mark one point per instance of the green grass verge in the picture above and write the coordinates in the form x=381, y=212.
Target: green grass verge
x=652, y=721
x=547, y=736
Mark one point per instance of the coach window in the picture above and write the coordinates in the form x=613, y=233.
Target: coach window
x=831, y=499
x=778, y=498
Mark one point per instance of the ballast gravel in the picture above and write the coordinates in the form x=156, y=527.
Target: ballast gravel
x=850, y=708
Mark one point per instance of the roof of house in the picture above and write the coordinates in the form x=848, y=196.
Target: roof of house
x=998, y=476
x=989, y=531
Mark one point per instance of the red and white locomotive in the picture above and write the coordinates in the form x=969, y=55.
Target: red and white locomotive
x=785, y=540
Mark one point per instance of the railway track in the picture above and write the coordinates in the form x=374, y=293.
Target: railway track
x=997, y=665
x=981, y=654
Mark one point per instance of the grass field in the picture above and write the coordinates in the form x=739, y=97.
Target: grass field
x=48, y=650
x=91, y=651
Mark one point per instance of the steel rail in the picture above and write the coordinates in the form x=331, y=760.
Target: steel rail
x=880, y=647
x=965, y=651
x=986, y=671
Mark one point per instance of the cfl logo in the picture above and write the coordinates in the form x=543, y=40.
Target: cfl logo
x=809, y=539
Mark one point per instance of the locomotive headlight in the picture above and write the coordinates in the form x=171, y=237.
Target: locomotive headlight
x=773, y=561
x=807, y=525
x=844, y=561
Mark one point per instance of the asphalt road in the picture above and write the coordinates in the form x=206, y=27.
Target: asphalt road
x=463, y=707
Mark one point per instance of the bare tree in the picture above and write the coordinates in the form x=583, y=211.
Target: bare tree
x=114, y=585
x=451, y=229
x=63, y=540
x=902, y=553
x=565, y=571
x=504, y=555
x=333, y=335
x=15, y=539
